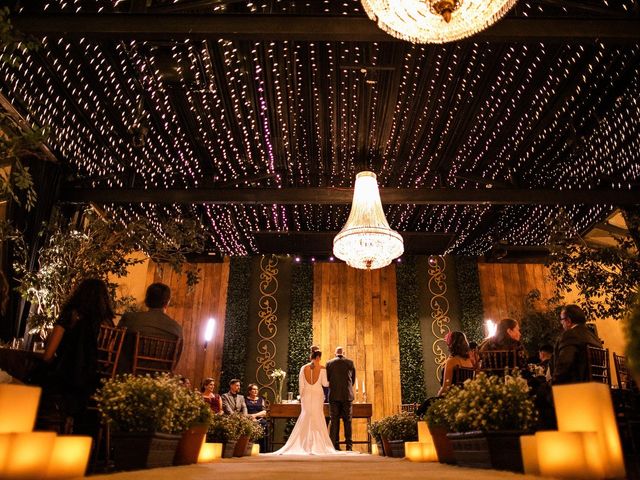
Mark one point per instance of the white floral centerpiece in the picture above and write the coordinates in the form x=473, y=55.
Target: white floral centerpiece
x=278, y=376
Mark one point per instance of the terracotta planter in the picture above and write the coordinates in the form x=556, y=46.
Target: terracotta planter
x=380, y=447
x=135, y=451
x=241, y=446
x=498, y=450
x=229, y=447
x=189, y=446
x=386, y=446
x=443, y=445
x=396, y=448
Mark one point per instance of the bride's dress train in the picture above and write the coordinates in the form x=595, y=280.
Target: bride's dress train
x=310, y=435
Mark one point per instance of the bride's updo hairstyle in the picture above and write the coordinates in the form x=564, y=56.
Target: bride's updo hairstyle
x=316, y=354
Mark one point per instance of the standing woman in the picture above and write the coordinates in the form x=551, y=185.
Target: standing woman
x=72, y=348
x=208, y=394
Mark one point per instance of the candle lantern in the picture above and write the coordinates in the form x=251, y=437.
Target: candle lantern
x=374, y=449
x=569, y=455
x=210, y=452
x=587, y=407
x=26, y=455
x=255, y=450
x=529, y=449
x=18, y=408
x=70, y=457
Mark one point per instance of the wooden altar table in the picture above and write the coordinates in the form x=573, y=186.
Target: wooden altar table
x=292, y=410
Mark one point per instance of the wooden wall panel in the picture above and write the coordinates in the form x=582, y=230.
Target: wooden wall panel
x=504, y=287
x=192, y=309
x=357, y=309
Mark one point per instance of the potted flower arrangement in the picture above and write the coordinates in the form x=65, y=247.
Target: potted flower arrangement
x=375, y=430
x=632, y=332
x=397, y=429
x=249, y=430
x=487, y=416
x=147, y=416
x=435, y=416
x=198, y=415
x=226, y=429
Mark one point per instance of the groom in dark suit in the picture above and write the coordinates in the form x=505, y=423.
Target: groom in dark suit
x=341, y=374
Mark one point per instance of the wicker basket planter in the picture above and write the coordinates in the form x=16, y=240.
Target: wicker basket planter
x=397, y=448
x=498, y=450
x=229, y=448
x=135, y=451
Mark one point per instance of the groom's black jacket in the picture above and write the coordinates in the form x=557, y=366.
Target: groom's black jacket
x=341, y=374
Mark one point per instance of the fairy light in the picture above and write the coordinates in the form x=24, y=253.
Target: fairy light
x=227, y=112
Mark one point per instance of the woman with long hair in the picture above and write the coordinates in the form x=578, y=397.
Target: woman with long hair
x=458, y=357
x=507, y=337
x=72, y=347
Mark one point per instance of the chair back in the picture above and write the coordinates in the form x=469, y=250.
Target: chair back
x=494, y=362
x=155, y=354
x=624, y=377
x=110, y=341
x=408, y=407
x=598, y=363
x=460, y=374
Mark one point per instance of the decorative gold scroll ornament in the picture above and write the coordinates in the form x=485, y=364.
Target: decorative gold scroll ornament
x=439, y=310
x=267, y=326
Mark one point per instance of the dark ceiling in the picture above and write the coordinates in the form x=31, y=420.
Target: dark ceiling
x=265, y=111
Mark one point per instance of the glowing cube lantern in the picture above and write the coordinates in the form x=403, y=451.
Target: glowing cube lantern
x=374, y=449
x=529, y=449
x=18, y=408
x=210, y=452
x=70, y=457
x=569, y=455
x=26, y=454
x=423, y=450
x=255, y=450
x=587, y=407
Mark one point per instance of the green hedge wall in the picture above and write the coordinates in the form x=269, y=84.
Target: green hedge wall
x=471, y=308
x=236, y=323
x=300, y=321
x=410, y=339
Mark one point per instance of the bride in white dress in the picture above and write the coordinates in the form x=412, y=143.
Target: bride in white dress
x=310, y=435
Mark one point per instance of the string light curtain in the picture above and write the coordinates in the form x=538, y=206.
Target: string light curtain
x=435, y=21
x=366, y=241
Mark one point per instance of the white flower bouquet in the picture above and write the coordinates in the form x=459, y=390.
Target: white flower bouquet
x=278, y=376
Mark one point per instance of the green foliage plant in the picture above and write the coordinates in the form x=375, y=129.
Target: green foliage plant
x=632, y=334
x=100, y=249
x=539, y=322
x=605, y=278
x=401, y=426
x=409, y=334
x=149, y=404
x=487, y=403
x=300, y=321
x=471, y=308
x=236, y=325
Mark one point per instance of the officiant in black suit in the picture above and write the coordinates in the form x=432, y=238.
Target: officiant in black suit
x=341, y=374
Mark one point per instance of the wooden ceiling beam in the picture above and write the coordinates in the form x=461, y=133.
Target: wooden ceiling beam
x=305, y=28
x=335, y=196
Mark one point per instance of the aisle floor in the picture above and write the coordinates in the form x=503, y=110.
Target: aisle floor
x=355, y=467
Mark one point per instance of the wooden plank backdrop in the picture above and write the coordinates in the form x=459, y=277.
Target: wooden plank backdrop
x=504, y=287
x=192, y=309
x=357, y=310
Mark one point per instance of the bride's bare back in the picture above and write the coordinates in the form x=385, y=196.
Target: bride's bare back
x=311, y=375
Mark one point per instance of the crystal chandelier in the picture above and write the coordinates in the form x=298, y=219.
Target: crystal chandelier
x=435, y=21
x=366, y=241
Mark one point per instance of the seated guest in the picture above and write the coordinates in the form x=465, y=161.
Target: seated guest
x=154, y=322
x=545, y=354
x=458, y=357
x=208, y=395
x=70, y=376
x=473, y=355
x=257, y=411
x=507, y=337
x=232, y=401
x=570, y=353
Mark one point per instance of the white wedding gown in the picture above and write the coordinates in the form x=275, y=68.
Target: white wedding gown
x=310, y=435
